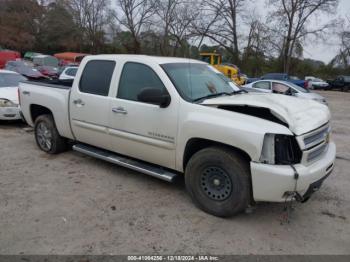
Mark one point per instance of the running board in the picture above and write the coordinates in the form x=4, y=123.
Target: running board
x=114, y=158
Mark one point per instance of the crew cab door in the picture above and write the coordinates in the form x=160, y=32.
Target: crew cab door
x=89, y=103
x=143, y=130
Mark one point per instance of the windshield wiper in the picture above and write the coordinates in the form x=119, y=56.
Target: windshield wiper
x=220, y=94
x=240, y=91
x=212, y=96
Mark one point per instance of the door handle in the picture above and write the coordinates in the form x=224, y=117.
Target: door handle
x=26, y=93
x=119, y=110
x=78, y=102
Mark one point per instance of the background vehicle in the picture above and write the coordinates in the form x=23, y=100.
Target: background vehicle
x=45, y=60
x=285, y=77
x=68, y=72
x=229, y=70
x=9, y=107
x=341, y=82
x=168, y=116
x=48, y=71
x=7, y=55
x=69, y=57
x=24, y=69
x=30, y=55
x=317, y=83
x=285, y=88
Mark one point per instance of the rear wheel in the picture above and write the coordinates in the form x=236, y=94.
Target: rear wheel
x=47, y=136
x=218, y=180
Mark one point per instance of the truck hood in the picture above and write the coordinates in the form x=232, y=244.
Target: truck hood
x=9, y=93
x=301, y=115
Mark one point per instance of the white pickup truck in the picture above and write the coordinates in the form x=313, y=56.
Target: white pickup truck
x=170, y=116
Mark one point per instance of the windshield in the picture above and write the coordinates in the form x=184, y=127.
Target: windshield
x=195, y=81
x=299, y=88
x=8, y=80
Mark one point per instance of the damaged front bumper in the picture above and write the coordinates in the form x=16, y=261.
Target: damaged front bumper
x=271, y=183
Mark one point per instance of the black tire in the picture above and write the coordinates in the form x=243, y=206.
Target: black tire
x=232, y=171
x=57, y=143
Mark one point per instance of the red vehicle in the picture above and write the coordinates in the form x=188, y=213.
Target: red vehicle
x=49, y=71
x=7, y=55
x=69, y=57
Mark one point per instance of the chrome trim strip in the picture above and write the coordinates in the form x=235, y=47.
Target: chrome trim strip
x=90, y=126
x=142, y=139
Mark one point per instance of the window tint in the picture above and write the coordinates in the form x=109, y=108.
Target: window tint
x=136, y=77
x=96, y=77
x=262, y=85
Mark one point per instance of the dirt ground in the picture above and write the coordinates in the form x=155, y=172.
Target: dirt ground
x=74, y=204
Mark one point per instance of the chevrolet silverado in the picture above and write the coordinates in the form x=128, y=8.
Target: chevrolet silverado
x=167, y=116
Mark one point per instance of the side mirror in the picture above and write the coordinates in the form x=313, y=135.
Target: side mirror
x=154, y=96
x=289, y=92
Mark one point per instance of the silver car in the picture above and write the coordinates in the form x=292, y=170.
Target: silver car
x=284, y=88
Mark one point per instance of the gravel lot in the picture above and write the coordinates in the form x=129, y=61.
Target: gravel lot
x=74, y=204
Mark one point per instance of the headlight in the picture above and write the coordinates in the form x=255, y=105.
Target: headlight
x=280, y=150
x=6, y=103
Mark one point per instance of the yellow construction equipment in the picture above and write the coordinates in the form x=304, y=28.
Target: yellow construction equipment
x=229, y=70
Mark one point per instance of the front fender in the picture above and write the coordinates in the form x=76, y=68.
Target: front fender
x=226, y=127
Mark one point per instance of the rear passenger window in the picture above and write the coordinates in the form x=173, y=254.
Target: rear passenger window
x=96, y=77
x=136, y=77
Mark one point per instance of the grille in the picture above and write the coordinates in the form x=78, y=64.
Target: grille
x=316, y=153
x=317, y=137
x=314, y=144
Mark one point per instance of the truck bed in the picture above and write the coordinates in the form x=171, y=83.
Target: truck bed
x=51, y=94
x=55, y=83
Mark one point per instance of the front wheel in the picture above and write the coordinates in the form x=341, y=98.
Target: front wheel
x=47, y=136
x=218, y=181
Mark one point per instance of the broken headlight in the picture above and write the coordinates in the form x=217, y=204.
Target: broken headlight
x=6, y=103
x=280, y=150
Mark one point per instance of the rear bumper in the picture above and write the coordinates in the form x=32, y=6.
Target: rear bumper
x=10, y=113
x=271, y=182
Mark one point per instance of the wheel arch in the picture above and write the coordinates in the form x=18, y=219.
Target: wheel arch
x=194, y=145
x=38, y=110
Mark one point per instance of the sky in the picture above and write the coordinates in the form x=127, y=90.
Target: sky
x=317, y=49
x=325, y=52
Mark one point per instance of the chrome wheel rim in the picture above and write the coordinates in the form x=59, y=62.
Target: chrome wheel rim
x=216, y=183
x=44, y=136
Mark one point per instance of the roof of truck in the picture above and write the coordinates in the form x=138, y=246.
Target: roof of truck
x=157, y=59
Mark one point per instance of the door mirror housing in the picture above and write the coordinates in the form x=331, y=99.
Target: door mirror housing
x=290, y=92
x=154, y=96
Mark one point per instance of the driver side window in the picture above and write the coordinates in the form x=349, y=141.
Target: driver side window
x=279, y=88
x=134, y=78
